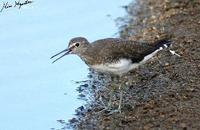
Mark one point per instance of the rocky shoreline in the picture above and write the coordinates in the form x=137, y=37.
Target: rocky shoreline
x=162, y=94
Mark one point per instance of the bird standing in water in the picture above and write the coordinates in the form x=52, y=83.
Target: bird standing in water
x=113, y=56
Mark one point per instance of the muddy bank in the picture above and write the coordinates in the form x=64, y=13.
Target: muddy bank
x=162, y=94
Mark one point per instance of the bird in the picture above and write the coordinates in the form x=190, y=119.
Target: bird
x=113, y=56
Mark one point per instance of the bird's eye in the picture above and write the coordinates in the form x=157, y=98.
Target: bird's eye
x=77, y=44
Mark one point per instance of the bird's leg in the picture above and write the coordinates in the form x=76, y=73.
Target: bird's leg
x=111, y=92
x=121, y=97
x=111, y=96
x=121, y=86
x=121, y=82
x=114, y=79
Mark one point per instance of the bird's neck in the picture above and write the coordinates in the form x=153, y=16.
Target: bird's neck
x=87, y=56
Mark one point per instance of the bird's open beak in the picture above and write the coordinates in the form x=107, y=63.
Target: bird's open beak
x=66, y=52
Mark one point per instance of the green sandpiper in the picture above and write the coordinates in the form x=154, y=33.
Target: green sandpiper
x=113, y=56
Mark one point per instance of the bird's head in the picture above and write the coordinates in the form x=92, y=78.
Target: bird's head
x=77, y=45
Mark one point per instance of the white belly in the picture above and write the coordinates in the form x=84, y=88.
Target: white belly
x=118, y=68
x=122, y=66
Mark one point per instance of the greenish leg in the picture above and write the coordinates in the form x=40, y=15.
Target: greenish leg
x=111, y=96
x=121, y=97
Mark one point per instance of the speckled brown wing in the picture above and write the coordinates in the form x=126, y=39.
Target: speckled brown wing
x=112, y=49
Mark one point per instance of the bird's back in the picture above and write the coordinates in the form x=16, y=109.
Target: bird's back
x=112, y=49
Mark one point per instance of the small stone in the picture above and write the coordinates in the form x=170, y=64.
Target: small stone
x=73, y=120
x=154, y=28
x=167, y=64
x=157, y=36
x=153, y=16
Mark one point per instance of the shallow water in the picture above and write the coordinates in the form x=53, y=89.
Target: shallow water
x=33, y=92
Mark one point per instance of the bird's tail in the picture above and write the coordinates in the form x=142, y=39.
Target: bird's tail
x=161, y=44
x=164, y=43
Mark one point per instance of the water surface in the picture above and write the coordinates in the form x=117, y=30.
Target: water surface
x=33, y=92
